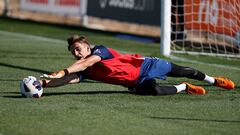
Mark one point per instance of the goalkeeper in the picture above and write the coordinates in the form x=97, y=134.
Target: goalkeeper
x=132, y=71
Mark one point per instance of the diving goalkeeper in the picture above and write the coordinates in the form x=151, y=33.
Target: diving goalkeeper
x=133, y=71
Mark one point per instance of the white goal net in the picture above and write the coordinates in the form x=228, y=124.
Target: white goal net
x=210, y=27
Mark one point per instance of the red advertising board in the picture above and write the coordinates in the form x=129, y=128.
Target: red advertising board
x=56, y=2
x=217, y=16
x=38, y=1
x=72, y=7
x=67, y=2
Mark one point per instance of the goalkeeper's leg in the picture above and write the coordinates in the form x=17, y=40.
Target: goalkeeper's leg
x=180, y=71
x=150, y=87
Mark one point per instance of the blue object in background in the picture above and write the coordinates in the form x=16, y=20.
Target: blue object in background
x=135, y=38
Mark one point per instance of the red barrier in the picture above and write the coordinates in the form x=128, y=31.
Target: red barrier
x=38, y=1
x=217, y=16
x=67, y=2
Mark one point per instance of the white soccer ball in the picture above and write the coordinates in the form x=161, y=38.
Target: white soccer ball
x=30, y=87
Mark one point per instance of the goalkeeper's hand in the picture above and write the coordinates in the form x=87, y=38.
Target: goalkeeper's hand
x=55, y=75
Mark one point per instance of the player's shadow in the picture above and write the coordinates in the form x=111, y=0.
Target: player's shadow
x=195, y=119
x=11, y=95
x=17, y=94
x=33, y=70
x=23, y=68
x=9, y=80
x=86, y=93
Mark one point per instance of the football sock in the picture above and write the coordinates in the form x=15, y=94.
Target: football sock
x=181, y=87
x=209, y=79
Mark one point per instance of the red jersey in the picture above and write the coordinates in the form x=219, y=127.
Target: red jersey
x=115, y=68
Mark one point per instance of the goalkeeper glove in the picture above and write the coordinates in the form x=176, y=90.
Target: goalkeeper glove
x=55, y=75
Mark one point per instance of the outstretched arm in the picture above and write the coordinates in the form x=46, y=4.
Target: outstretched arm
x=78, y=66
x=68, y=79
x=81, y=65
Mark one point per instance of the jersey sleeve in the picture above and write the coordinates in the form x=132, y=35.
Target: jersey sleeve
x=81, y=76
x=102, y=52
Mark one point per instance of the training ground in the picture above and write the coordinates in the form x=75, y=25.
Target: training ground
x=94, y=108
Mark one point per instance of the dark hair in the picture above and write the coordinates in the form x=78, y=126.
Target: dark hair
x=75, y=38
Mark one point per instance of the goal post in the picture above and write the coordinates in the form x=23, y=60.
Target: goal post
x=206, y=27
x=165, y=47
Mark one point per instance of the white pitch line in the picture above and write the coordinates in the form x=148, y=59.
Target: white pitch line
x=63, y=41
x=204, y=63
x=22, y=35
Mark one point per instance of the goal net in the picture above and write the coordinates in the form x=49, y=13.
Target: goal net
x=208, y=27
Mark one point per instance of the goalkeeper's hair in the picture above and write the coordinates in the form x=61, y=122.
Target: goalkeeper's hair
x=76, y=38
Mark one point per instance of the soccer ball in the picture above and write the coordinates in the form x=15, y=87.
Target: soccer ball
x=30, y=87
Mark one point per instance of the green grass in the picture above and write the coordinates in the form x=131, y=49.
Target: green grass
x=91, y=107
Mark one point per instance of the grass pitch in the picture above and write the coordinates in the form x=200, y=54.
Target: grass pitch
x=91, y=107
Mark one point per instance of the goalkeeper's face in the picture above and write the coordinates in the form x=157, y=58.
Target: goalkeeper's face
x=80, y=50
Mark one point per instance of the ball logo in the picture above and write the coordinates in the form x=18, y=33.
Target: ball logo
x=97, y=51
x=37, y=85
x=26, y=80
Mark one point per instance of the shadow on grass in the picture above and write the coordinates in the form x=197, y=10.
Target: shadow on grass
x=10, y=80
x=18, y=80
x=14, y=96
x=195, y=119
x=237, y=87
x=86, y=93
x=10, y=94
x=23, y=68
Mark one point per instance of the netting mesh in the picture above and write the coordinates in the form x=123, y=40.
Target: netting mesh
x=206, y=26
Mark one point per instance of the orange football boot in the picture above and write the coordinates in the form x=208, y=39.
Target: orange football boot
x=191, y=89
x=224, y=83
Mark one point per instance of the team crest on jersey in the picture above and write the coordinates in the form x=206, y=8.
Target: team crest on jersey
x=97, y=51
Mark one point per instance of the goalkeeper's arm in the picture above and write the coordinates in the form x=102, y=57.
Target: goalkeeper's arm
x=68, y=79
x=79, y=65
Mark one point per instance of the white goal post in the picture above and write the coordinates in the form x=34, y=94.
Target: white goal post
x=206, y=27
